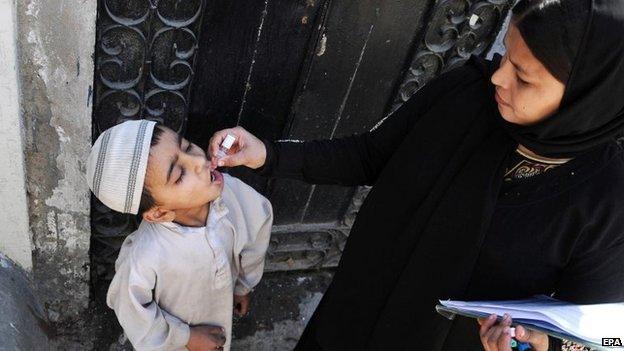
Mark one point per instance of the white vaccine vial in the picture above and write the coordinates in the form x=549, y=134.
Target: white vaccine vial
x=226, y=144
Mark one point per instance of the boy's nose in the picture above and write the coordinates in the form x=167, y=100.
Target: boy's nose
x=198, y=162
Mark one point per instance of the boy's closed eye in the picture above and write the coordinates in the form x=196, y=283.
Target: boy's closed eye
x=181, y=176
x=188, y=148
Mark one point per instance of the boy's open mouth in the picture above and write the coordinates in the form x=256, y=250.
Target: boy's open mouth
x=216, y=177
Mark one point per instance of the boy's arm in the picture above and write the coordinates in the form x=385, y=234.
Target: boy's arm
x=146, y=325
x=253, y=242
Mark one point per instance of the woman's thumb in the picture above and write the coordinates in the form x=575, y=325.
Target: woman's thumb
x=528, y=336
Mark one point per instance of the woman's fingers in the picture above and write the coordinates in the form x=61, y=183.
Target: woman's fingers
x=495, y=336
x=216, y=140
x=485, y=331
x=538, y=340
x=481, y=320
x=487, y=323
x=237, y=159
x=247, y=150
x=504, y=341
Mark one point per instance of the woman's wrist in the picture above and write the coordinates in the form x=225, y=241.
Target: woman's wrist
x=266, y=165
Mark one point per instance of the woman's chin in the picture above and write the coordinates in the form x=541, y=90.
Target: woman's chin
x=508, y=115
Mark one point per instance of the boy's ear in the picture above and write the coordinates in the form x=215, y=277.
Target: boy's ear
x=158, y=214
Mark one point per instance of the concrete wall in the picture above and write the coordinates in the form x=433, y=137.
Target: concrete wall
x=14, y=234
x=56, y=44
x=22, y=320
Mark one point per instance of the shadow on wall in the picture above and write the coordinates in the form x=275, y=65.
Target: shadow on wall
x=23, y=325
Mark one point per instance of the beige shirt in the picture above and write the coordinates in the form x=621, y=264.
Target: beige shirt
x=169, y=277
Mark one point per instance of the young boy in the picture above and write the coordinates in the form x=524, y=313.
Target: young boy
x=199, y=249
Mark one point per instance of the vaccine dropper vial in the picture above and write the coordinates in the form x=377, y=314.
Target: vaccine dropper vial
x=226, y=144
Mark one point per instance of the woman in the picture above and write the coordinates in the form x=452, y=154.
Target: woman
x=497, y=180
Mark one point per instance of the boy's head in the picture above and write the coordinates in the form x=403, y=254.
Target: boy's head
x=146, y=168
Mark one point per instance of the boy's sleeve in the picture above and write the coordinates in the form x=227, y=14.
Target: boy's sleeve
x=146, y=325
x=253, y=242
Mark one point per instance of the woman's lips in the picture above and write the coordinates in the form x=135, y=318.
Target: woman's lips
x=500, y=100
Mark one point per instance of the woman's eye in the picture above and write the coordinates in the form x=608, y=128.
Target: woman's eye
x=189, y=147
x=181, y=176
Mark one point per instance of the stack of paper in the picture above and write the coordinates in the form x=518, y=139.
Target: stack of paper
x=600, y=326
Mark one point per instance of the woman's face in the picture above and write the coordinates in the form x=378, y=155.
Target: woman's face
x=525, y=91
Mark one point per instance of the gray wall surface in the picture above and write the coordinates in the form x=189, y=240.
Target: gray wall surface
x=22, y=322
x=56, y=41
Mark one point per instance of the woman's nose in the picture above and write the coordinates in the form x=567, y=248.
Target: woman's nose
x=501, y=76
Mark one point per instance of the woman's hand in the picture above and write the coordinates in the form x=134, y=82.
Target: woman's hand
x=247, y=150
x=496, y=336
x=206, y=338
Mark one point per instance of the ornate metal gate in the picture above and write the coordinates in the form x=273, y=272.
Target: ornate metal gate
x=292, y=69
x=144, y=66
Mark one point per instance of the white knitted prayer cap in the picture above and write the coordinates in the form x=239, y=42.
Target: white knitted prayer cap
x=117, y=165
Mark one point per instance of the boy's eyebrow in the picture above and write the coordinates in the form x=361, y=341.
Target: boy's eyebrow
x=174, y=159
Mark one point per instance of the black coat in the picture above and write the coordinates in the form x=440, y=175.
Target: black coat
x=439, y=224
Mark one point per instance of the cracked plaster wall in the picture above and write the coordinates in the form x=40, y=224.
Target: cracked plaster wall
x=22, y=320
x=56, y=40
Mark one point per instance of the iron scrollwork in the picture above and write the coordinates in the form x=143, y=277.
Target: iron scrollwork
x=145, y=56
x=318, y=246
x=456, y=30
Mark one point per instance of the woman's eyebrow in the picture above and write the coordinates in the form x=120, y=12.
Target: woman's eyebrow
x=518, y=67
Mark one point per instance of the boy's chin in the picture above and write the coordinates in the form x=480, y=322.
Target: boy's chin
x=215, y=192
x=216, y=188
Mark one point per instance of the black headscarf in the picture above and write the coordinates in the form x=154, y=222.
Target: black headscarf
x=592, y=108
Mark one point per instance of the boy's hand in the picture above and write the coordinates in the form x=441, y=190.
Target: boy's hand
x=241, y=304
x=247, y=150
x=206, y=338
